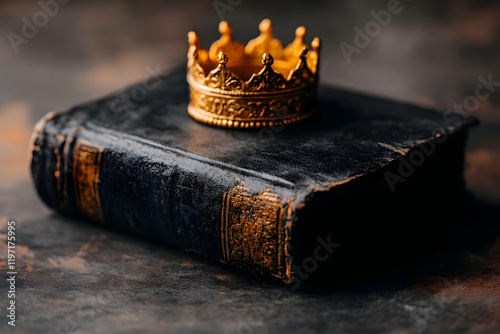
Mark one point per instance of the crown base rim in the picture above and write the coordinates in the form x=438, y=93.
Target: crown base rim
x=205, y=117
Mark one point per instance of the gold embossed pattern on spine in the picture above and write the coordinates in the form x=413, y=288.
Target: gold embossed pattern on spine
x=258, y=85
x=252, y=230
x=86, y=168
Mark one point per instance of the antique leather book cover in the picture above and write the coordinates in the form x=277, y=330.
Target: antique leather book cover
x=279, y=201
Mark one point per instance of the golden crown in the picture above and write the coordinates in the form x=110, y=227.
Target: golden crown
x=257, y=85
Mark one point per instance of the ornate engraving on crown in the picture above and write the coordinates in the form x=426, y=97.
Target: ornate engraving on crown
x=230, y=88
x=267, y=79
x=222, y=78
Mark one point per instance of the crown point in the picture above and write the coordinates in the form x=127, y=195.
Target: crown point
x=316, y=43
x=224, y=28
x=192, y=38
x=266, y=26
x=222, y=58
x=267, y=59
x=300, y=32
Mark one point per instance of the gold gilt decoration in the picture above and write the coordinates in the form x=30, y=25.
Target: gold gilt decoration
x=258, y=85
x=86, y=168
x=251, y=231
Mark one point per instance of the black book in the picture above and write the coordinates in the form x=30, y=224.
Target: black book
x=286, y=201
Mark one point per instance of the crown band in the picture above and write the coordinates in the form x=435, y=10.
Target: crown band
x=228, y=91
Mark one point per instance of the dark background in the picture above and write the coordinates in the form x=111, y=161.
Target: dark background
x=78, y=278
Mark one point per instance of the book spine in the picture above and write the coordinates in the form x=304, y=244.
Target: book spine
x=173, y=196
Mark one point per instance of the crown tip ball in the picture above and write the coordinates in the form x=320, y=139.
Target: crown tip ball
x=300, y=32
x=316, y=43
x=265, y=26
x=224, y=28
x=222, y=58
x=192, y=37
x=267, y=59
